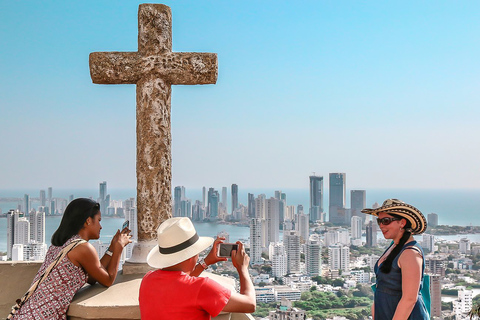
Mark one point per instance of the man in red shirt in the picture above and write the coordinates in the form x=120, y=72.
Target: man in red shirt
x=176, y=292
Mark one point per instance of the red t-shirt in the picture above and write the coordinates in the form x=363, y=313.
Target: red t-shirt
x=176, y=295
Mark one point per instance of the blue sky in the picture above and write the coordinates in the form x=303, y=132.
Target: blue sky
x=387, y=92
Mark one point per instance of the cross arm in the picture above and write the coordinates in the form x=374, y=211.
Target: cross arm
x=174, y=67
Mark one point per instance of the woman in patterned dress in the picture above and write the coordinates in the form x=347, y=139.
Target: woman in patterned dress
x=81, y=220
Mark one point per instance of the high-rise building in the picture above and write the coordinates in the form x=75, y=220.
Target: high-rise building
x=303, y=227
x=356, y=227
x=278, y=256
x=435, y=266
x=186, y=208
x=12, y=217
x=464, y=303
x=291, y=241
x=464, y=245
x=178, y=197
x=428, y=242
x=53, y=207
x=204, y=196
x=282, y=208
x=358, y=202
x=224, y=200
x=272, y=220
x=213, y=204
x=43, y=198
x=371, y=234
x=26, y=204
x=255, y=241
x=290, y=213
x=299, y=209
x=260, y=211
x=330, y=237
x=313, y=256
x=251, y=205
x=234, y=197
x=339, y=257
x=103, y=199
x=432, y=219
x=435, y=296
x=36, y=221
x=337, y=197
x=316, y=197
x=103, y=190
x=198, y=211
x=50, y=194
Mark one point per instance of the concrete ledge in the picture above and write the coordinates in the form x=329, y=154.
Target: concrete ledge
x=120, y=301
x=15, y=279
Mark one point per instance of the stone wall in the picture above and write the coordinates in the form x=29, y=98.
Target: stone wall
x=15, y=279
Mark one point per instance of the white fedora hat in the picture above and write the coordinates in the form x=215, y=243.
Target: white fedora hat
x=177, y=242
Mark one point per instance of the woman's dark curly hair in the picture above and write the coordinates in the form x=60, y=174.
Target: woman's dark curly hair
x=75, y=215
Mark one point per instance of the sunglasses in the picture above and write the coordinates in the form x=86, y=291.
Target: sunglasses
x=386, y=221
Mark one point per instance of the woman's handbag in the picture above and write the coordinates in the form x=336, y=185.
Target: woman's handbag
x=19, y=303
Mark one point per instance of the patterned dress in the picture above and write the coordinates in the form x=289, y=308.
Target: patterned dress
x=53, y=296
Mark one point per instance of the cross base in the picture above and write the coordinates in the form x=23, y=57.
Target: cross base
x=137, y=264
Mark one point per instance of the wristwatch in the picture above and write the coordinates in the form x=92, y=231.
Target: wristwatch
x=108, y=252
x=203, y=264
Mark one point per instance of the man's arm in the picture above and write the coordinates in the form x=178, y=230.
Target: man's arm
x=245, y=301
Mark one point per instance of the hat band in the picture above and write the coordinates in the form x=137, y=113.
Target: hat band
x=179, y=247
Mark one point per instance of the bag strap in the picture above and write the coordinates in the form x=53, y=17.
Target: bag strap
x=73, y=244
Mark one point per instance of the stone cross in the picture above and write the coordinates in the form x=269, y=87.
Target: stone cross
x=153, y=68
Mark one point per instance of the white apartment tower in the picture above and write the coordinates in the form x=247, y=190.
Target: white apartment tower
x=278, y=256
x=260, y=210
x=291, y=241
x=256, y=241
x=428, y=242
x=339, y=257
x=463, y=304
x=22, y=231
x=356, y=227
x=464, y=245
x=224, y=200
x=313, y=256
x=272, y=221
x=37, y=226
x=303, y=227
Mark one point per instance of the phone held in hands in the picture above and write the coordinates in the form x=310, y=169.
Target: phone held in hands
x=126, y=224
x=225, y=249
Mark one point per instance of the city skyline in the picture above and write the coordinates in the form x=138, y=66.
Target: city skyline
x=387, y=92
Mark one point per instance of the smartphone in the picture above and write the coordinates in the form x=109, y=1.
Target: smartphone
x=126, y=224
x=225, y=249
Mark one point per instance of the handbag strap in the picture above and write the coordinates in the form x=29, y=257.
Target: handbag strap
x=73, y=244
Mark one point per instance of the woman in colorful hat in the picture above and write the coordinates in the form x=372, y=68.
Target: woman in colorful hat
x=399, y=271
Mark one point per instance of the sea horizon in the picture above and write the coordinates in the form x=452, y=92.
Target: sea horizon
x=453, y=206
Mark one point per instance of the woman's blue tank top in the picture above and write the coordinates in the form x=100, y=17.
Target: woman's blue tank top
x=389, y=290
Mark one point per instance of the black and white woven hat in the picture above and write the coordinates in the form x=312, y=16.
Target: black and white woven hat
x=400, y=208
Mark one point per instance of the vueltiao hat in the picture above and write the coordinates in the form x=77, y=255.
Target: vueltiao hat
x=400, y=208
x=177, y=241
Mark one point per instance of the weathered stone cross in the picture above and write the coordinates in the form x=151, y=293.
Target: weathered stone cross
x=153, y=68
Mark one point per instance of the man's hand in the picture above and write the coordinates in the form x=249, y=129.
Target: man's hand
x=240, y=259
x=212, y=257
